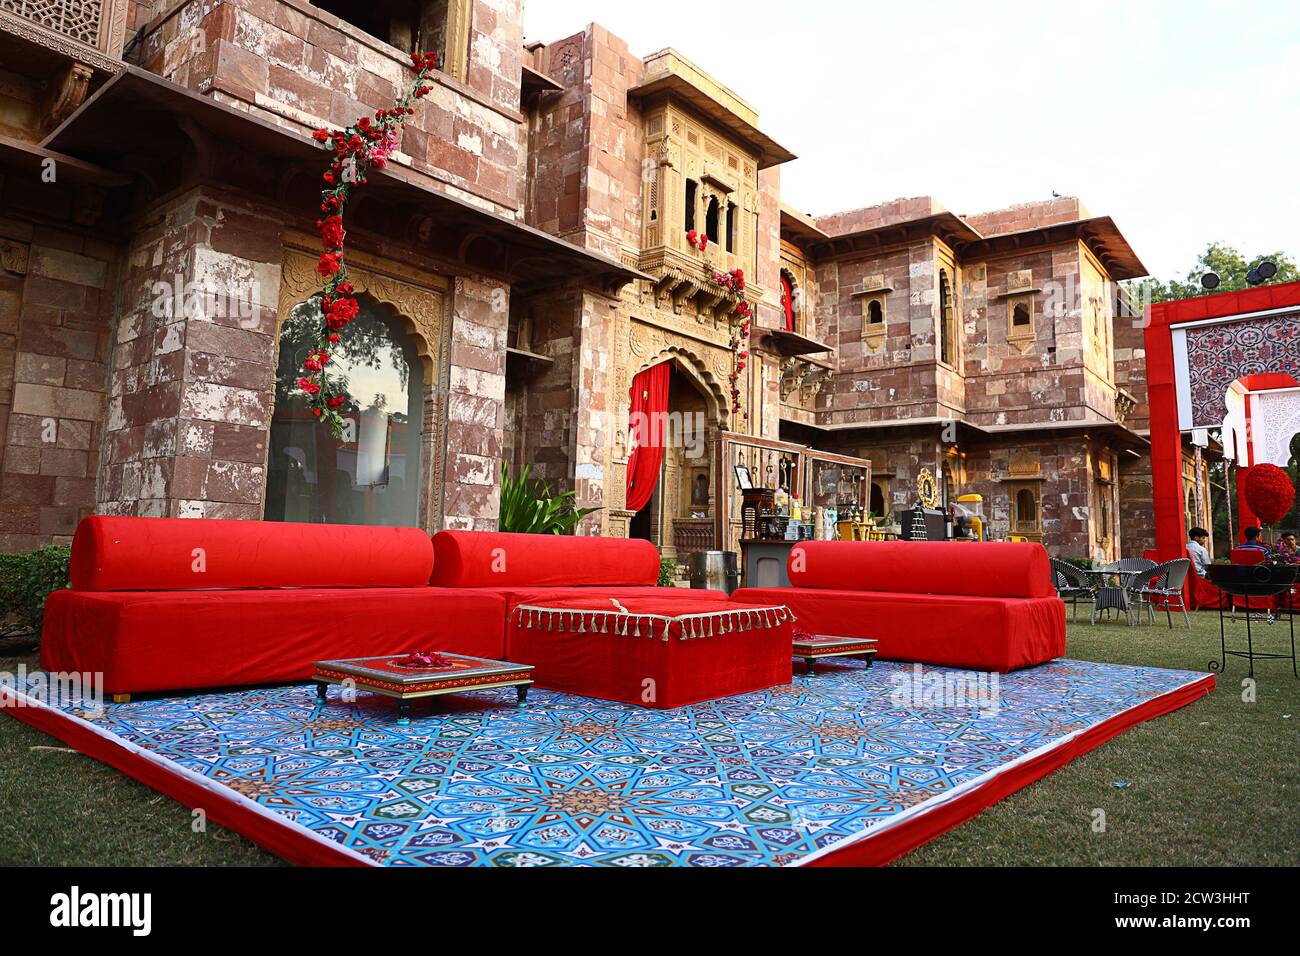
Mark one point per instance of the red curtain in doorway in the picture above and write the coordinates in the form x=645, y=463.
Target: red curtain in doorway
x=649, y=395
x=787, y=302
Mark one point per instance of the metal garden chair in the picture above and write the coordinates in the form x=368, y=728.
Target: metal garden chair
x=1071, y=584
x=1165, y=582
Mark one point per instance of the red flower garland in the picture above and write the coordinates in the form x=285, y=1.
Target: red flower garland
x=363, y=146
x=1269, y=492
x=742, y=322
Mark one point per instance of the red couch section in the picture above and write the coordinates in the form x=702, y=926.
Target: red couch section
x=258, y=603
x=183, y=640
x=995, y=569
x=487, y=559
x=645, y=670
x=983, y=606
x=171, y=554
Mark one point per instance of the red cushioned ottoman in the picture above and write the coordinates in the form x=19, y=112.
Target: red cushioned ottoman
x=659, y=653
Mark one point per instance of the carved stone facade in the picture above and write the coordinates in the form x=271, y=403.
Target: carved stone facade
x=985, y=348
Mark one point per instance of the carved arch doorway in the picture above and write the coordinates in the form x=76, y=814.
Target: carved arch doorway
x=680, y=516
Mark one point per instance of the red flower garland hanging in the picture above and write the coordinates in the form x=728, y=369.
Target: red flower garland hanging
x=363, y=146
x=742, y=322
x=1269, y=492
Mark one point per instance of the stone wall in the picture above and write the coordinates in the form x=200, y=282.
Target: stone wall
x=56, y=303
x=297, y=65
x=586, y=144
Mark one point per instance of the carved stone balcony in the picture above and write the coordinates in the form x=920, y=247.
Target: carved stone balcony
x=680, y=278
x=87, y=31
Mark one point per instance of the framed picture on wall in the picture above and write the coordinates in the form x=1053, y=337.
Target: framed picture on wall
x=742, y=478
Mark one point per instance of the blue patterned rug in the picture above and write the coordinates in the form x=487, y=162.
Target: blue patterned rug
x=766, y=778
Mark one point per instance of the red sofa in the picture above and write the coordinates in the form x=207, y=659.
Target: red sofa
x=166, y=604
x=179, y=604
x=987, y=606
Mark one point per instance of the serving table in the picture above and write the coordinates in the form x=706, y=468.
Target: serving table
x=450, y=674
x=1255, y=580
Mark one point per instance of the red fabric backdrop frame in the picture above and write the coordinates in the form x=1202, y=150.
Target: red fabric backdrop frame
x=1162, y=397
x=649, y=395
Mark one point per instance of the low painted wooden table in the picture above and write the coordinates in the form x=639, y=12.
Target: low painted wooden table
x=383, y=675
x=821, y=646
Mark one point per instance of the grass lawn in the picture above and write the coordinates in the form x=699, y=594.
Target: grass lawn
x=1216, y=783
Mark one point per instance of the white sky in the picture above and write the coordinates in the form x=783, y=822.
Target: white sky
x=1179, y=119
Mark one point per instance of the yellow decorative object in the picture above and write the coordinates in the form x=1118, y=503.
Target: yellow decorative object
x=927, y=490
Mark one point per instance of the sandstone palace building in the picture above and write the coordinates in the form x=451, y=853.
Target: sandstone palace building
x=523, y=258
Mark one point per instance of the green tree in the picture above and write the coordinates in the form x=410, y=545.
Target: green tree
x=1223, y=260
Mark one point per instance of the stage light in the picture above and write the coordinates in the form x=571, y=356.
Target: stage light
x=1252, y=277
x=1210, y=280
x=1266, y=269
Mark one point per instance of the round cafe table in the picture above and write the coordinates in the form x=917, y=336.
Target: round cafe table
x=1112, y=596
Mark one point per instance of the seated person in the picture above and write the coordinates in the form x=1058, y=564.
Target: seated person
x=1287, y=549
x=1196, y=550
x=1252, y=540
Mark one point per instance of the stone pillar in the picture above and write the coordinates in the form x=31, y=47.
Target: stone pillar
x=476, y=392
x=192, y=380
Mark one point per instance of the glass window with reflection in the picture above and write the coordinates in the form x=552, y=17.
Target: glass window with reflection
x=372, y=475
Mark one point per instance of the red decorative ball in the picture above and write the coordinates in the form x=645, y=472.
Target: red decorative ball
x=1269, y=492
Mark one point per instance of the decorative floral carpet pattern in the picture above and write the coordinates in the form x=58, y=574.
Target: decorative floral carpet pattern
x=760, y=779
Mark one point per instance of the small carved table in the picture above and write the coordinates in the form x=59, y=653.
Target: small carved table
x=383, y=675
x=820, y=646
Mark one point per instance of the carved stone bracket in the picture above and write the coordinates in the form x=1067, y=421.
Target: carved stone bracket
x=804, y=377
x=67, y=92
x=1124, y=405
x=13, y=257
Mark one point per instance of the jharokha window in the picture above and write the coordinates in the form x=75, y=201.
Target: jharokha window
x=947, y=321
x=372, y=476
x=438, y=26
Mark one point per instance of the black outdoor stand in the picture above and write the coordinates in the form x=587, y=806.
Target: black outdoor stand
x=1257, y=580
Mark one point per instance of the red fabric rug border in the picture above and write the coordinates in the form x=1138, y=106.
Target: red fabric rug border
x=885, y=846
x=277, y=836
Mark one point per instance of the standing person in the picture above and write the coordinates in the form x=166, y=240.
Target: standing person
x=1197, y=551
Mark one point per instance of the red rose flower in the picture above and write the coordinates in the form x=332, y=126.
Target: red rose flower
x=336, y=401
x=332, y=232
x=308, y=386
x=329, y=263
x=321, y=135
x=340, y=312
